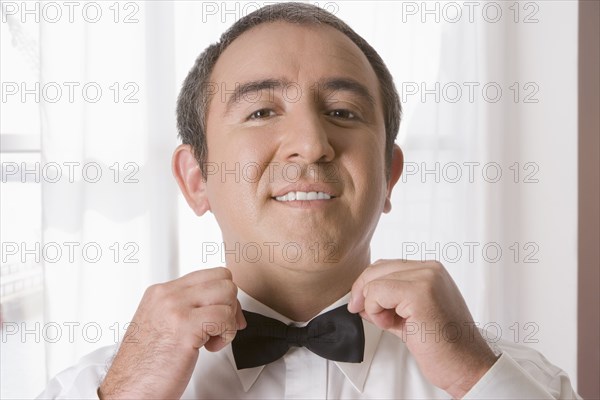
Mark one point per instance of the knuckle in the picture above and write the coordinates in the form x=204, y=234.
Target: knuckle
x=230, y=288
x=155, y=291
x=170, y=302
x=436, y=266
x=429, y=273
x=433, y=269
x=371, y=288
x=224, y=271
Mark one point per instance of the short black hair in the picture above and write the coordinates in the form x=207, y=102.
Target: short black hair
x=194, y=97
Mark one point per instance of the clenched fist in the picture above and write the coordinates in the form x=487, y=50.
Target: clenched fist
x=420, y=303
x=173, y=321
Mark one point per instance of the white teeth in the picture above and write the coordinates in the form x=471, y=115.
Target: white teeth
x=291, y=196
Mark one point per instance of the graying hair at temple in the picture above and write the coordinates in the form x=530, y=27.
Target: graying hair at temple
x=195, y=96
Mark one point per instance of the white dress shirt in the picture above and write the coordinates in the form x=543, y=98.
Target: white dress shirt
x=388, y=372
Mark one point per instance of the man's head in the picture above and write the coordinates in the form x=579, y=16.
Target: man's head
x=198, y=89
x=299, y=145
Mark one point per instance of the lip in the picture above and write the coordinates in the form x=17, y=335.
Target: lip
x=306, y=204
x=306, y=187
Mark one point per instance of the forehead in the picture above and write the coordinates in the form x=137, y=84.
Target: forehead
x=298, y=53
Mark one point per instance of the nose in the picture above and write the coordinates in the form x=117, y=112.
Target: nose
x=306, y=139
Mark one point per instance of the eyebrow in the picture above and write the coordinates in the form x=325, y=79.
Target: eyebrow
x=243, y=89
x=327, y=84
x=348, y=85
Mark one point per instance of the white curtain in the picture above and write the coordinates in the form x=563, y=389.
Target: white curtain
x=117, y=136
x=149, y=221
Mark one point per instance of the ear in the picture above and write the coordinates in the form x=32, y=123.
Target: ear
x=395, y=172
x=188, y=175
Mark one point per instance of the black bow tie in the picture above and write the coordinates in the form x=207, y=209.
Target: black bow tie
x=337, y=335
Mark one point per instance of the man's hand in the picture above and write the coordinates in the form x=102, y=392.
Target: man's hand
x=420, y=303
x=174, y=319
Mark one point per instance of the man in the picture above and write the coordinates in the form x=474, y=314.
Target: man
x=307, y=109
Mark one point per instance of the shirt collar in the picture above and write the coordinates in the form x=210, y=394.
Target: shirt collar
x=356, y=373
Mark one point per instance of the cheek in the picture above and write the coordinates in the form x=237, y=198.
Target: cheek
x=237, y=161
x=242, y=145
x=366, y=166
x=367, y=162
x=238, y=155
x=233, y=203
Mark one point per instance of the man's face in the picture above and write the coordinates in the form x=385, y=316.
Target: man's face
x=307, y=118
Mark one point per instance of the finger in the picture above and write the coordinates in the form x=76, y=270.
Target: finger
x=239, y=317
x=209, y=293
x=377, y=270
x=385, y=267
x=365, y=316
x=215, y=321
x=203, y=275
x=216, y=343
x=377, y=296
x=391, y=293
x=357, y=299
x=384, y=320
x=383, y=298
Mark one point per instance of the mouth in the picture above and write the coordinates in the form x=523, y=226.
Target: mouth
x=303, y=196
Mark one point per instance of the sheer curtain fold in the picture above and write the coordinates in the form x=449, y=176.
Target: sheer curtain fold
x=116, y=216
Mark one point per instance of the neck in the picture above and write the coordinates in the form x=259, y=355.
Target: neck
x=298, y=294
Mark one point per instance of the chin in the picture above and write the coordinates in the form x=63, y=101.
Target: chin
x=311, y=255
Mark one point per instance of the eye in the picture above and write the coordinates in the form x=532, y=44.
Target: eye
x=343, y=114
x=262, y=113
